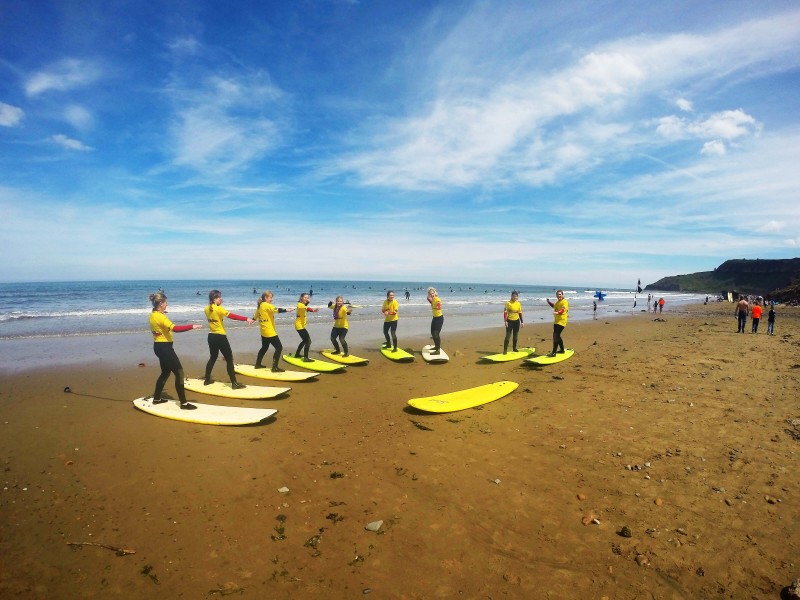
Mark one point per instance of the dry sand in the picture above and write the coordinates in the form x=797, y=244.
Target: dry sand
x=674, y=427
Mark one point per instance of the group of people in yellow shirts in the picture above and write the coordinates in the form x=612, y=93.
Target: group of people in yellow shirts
x=162, y=329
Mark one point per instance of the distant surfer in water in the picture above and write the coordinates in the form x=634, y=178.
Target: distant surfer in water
x=560, y=314
x=218, y=338
x=438, y=319
x=300, y=326
x=389, y=310
x=512, y=318
x=265, y=315
x=162, y=329
x=340, y=325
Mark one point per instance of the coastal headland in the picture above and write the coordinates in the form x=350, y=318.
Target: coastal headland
x=660, y=461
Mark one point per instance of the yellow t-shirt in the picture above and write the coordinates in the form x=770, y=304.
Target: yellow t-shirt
x=513, y=310
x=161, y=327
x=214, y=316
x=340, y=322
x=265, y=314
x=436, y=306
x=300, y=320
x=561, y=319
x=390, y=305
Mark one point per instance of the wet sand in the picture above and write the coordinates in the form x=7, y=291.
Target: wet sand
x=678, y=429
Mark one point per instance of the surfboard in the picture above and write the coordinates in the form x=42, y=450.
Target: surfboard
x=434, y=358
x=206, y=414
x=464, y=399
x=551, y=360
x=345, y=360
x=509, y=356
x=323, y=366
x=251, y=371
x=224, y=389
x=399, y=356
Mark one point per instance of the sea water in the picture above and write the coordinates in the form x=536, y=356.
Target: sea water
x=58, y=309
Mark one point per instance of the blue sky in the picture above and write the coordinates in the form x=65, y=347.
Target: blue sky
x=576, y=143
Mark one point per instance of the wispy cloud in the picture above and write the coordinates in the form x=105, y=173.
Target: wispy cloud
x=67, y=74
x=10, y=116
x=69, y=143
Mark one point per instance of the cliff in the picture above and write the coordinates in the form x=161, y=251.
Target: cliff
x=760, y=277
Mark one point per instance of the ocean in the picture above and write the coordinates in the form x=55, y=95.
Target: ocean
x=67, y=309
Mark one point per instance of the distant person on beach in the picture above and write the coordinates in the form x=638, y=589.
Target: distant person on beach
x=560, y=314
x=756, y=312
x=300, y=326
x=594, y=308
x=660, y=305
x=741, y=313
x=218, y=338
x=512, y=319
x=340, y=326
x=162, y=329
x=771, y=320
x=265, y=315
x=389, y=310
x=438, y=319
x=655, y=306
x=408, y=295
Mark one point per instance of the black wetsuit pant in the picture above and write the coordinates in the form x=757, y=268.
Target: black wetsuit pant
x=218, y=342
x=337, y=335
x=305, y=343
x=436, y=330
x=558, y=343
x=512, y=327
x=390, y=327
x=265, y=344
x=170, y=363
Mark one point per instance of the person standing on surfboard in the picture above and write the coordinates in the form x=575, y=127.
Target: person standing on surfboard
x=265, y=315
x=162, y=329
x=560, y=313
x=438, y=319
x=512, y=317
x=340, y=325
x=389, y=310
x=300, y=326
x=218, y=339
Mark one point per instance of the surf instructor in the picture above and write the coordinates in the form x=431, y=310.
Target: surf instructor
x=560, y=314
x=389, y=310
x=162, y=329
x=512, y=317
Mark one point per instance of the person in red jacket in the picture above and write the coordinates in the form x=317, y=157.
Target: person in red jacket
x=756, y=312
x=162, y=329
x=218, y=339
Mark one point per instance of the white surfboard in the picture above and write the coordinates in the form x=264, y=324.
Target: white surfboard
x=225, y=390
x=205, y=414
x=434, y=358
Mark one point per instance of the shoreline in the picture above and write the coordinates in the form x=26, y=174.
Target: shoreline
x=671, y=425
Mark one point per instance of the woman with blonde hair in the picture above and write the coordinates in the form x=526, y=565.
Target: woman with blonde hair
x=265, y=315
x=438, y=319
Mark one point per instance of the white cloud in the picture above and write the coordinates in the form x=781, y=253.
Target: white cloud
x=64, y=75
x=78, y=117
x=10, y=116
x=771, y=227
x=69, y=143
x=685, y=105
x=714, y=148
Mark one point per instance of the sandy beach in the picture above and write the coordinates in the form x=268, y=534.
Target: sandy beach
x=659, y=462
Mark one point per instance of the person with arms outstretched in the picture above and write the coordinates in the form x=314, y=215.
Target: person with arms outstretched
x=560, y=314
x=218, y=338
x=265, y=315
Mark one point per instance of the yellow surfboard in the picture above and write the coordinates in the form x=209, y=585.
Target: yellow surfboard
x=509, y=356
x=463, y=399
x=551, y=360
x=323, y=366
x=225, y=390
x=350, y=359
x=398, y=355
x=267, y=373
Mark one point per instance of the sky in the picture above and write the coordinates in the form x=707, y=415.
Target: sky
x=586, y=143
